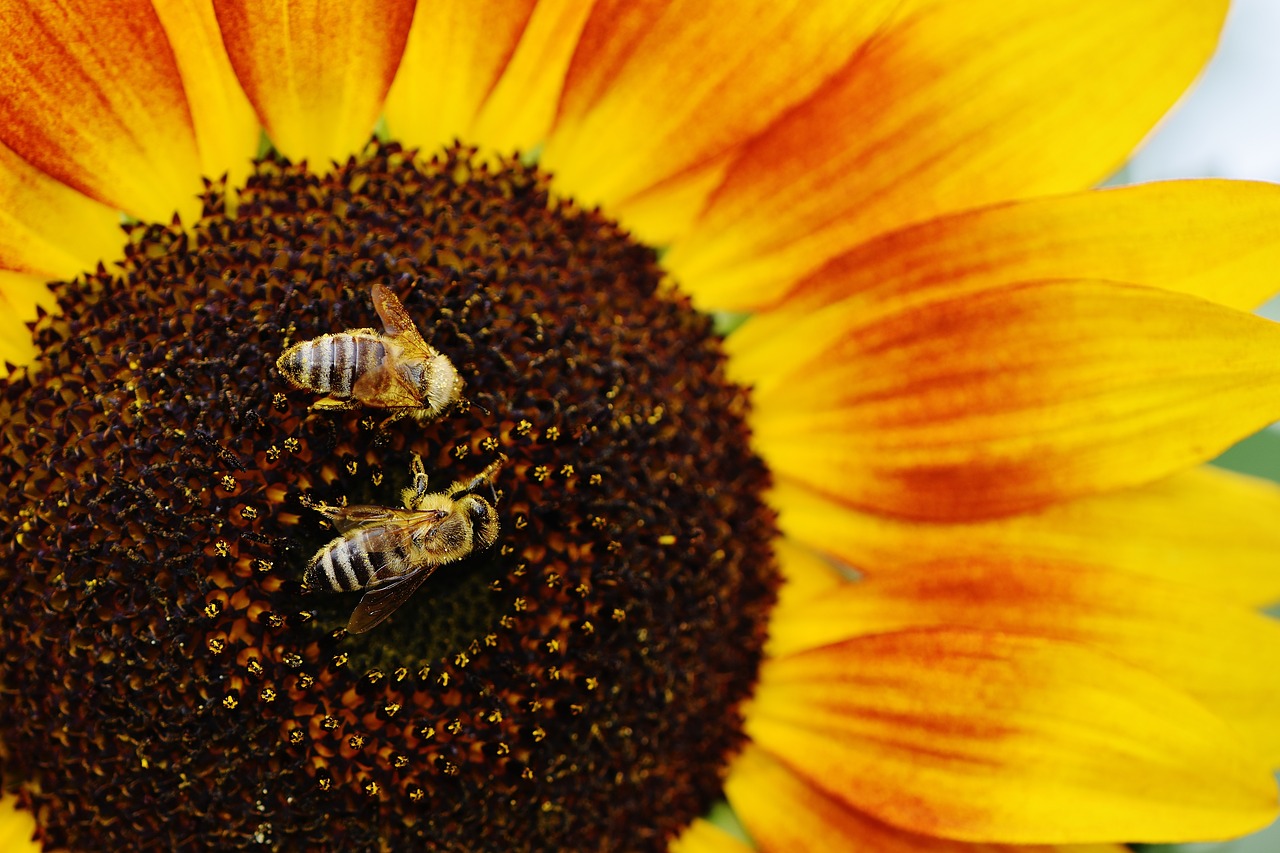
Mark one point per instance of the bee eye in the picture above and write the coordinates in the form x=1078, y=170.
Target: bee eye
x=479, y=510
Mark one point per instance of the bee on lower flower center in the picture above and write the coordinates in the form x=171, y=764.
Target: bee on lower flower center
x=395, y=369
x=389, y=552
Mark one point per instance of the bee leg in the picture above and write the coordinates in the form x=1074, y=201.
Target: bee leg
x=414, y=495
x=395, y=416
x=330, y=404
x=330, y=513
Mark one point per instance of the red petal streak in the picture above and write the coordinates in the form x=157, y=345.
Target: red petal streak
x=995, y=737
x=950, y=106
x=947, y=404
x=783, y=812
x=1213, y=239
x=1224, y=656
x=90, y=94
x=1207, y=529
x=657, y=89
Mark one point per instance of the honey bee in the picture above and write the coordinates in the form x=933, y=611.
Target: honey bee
x=393, y=370
x=388, y=552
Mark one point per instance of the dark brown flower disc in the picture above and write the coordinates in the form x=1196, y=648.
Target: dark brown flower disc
x=169, y=684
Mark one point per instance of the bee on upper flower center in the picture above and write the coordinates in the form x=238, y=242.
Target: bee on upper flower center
x=395, y=369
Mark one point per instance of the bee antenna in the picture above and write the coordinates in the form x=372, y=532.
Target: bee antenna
x=485, y=476
x=493, y=468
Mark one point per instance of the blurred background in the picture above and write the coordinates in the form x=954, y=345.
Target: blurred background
x=1228, y=126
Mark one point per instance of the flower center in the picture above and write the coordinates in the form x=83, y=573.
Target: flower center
x=576, y=685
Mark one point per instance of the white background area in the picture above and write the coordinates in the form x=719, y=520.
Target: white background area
x=1229, y=124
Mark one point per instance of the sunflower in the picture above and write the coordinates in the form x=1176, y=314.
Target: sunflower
x=846, y=442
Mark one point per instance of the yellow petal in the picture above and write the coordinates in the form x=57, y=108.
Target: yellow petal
x=17, y=827
x=315, y=72
x=20, y=294
x=521, y=107
x=997, y=737
x=784, y=812
x=226, y=128
x=946, y=403
x=94, y=99
x=1212, y=239
x=1223, y=656
x=47, y=228
x=457, y=51
x=806, y=574
x=666, y=210
x=1206, y=528
x=951, y=106
x=702, y=836
x=656, y=89
x=487, y=73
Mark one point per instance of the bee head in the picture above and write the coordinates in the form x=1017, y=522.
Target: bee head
x=437, y=383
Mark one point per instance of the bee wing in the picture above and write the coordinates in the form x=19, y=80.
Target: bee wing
x=381, y=601
x=396, y=320
x=385, y=387
x=388, y=538
x=346, y=518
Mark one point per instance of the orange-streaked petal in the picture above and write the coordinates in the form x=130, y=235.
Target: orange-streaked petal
x=20, y=293
x=315, y=72
x=783, y=812
x=668, y=209
x=806, y=574
x=49, y=229
x=226, y=128
x=17, y=827
x=656, y=88
x=702, y=836
x=521, y=107
x=95, y=100
x=950, y=106
x=1222, y=655
x=997, y=737
x=950, y=404
x=456, y=53
x=492, y=77
x=1206, y=528
x=1213, y=239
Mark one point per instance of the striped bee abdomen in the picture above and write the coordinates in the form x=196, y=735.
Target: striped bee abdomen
x=351, y=562
x=332, y=363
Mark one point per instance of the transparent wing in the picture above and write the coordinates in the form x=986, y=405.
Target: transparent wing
x=346, y=518
x=385, y=388
x=381, y=601
x=388, y=543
